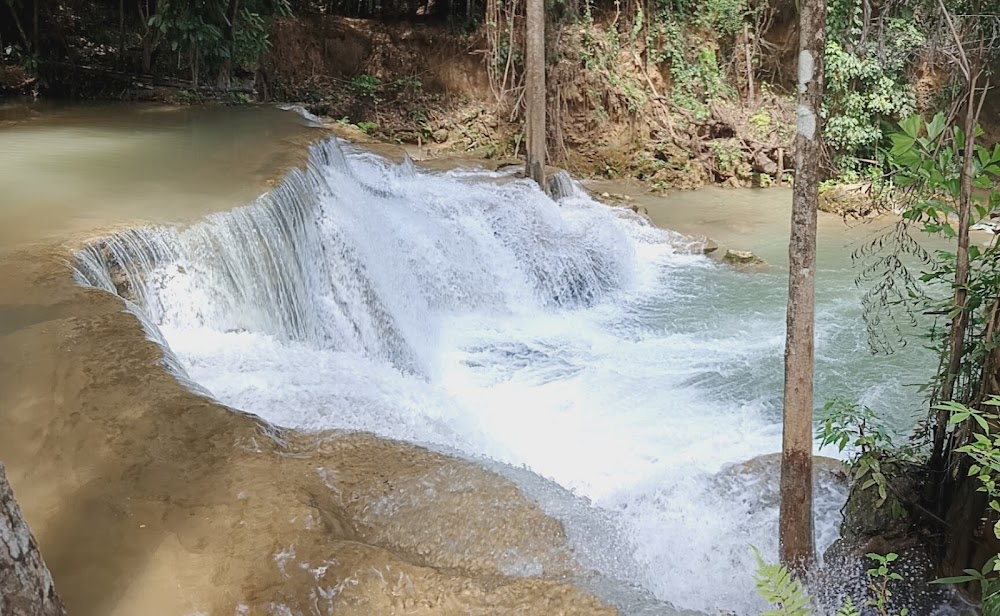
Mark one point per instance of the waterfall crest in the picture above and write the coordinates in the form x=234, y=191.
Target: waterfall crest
x=339, y=258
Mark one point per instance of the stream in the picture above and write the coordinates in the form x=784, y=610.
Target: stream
x=624, y=380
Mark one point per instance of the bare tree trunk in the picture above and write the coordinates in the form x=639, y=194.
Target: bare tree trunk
x=228, y=36
x=535, y=85
x=749, y=56
x=34, y=24
x=194, y=65
x=17, y=22
x=956, y=335
x=121, y=32
x=796, y=526
x=26, y=587
x=151, y=36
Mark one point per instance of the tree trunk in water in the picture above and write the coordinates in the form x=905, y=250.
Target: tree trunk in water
x=796, y=527
x=26, y=587
x=535, y=95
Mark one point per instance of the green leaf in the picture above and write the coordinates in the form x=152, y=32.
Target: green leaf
x=958, y=579
x=935, y=127
x=911, y=125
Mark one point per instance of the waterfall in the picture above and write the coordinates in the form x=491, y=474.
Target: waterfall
x=561, y=342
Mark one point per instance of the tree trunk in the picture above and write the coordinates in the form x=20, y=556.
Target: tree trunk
x=956, y=335
x=228, y=35
x=150, y=38
x=194, y=65
x=535, y=95
x=34, y=24
x=796, y=527
x=749, y=56
x=26, y=587
x=121, y=33
x=17, y=23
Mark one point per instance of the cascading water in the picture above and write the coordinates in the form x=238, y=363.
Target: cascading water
x=468, y=312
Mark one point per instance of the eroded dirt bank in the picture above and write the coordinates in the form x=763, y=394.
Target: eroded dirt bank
x=148, y=499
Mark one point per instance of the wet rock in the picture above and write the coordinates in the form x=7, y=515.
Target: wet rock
x=440, y=135
x=710, y=246
x=871, y=526
x=866, y=517
x=408, y=136
x=741, y=258
x=763, y=476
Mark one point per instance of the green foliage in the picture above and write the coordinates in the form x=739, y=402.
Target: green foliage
x=725, y=17
x=848, y=425
x=761, y=122
x=780, y=588
x=777, y=586
x=251, y=39
x=848, y=609
x=695, y=73
x=866, y=77
x=983, y=448
x=879, y=579
x=196, y=28
x=188, y=97
x=729, y=156
x=27, y=59
x=366, y=86
x=184, y=25
x=926, y=159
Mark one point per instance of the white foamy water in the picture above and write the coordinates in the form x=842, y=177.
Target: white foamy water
x=573, y=344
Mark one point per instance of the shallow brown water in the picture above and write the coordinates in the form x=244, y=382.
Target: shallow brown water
x=73, y=168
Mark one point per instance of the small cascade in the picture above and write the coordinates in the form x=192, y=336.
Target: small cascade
x=258, y=268
x=561, y=186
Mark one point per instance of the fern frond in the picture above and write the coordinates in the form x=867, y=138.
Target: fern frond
x=848, y=609
x=780, y=588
